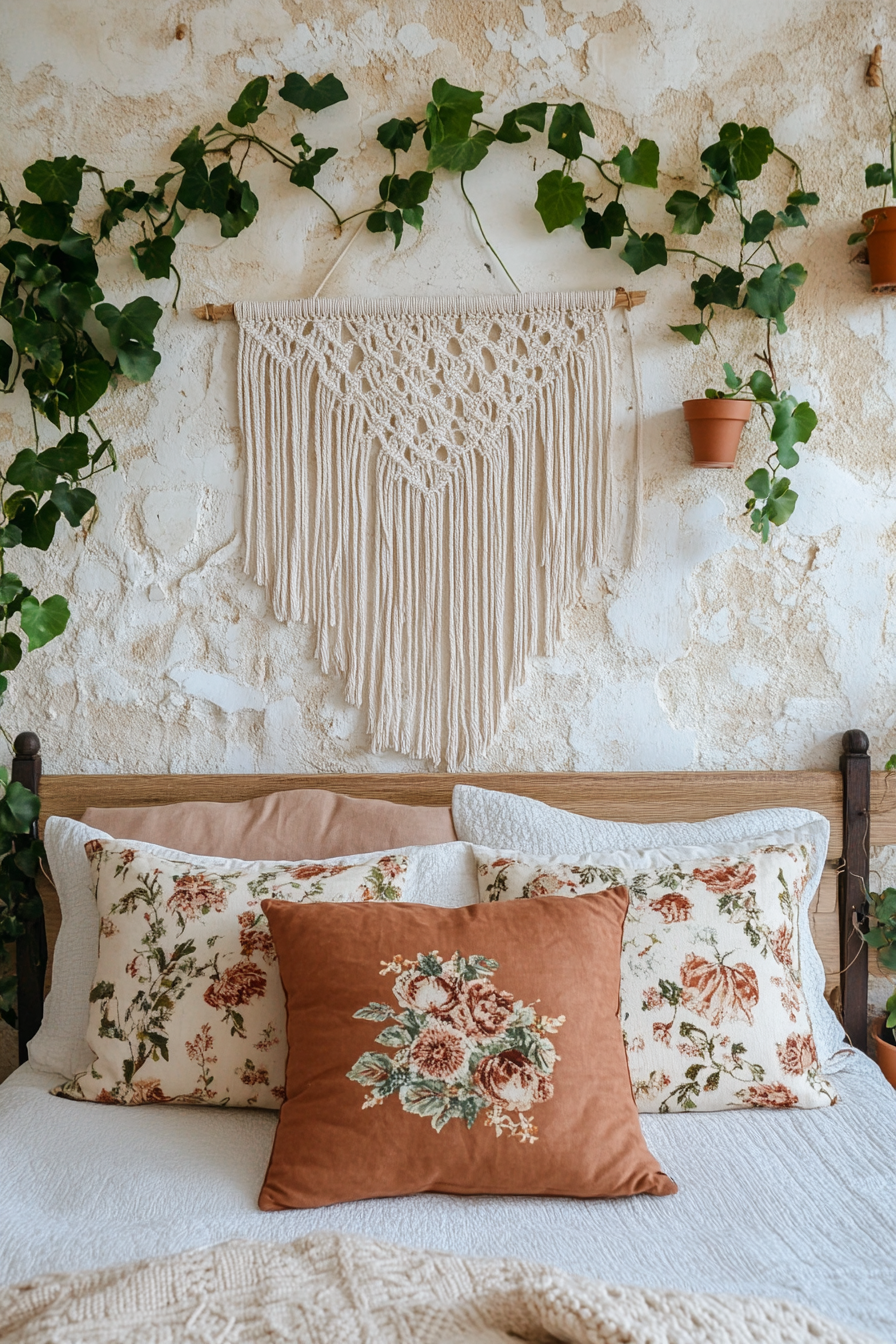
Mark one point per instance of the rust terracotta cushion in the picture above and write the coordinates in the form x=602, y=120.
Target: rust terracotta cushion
x=476, y=1050
x=312, y=822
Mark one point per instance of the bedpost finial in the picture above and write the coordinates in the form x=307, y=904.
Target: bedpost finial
x=27, y=745
x=855, y=742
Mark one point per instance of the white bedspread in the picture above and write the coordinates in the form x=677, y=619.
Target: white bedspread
x=799, y=1205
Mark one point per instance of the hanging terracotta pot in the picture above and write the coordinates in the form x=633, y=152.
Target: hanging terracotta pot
x=882, y=249
x=886, y=1053
x=716, y=425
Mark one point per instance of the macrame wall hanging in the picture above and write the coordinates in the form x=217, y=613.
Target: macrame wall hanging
x=428, y=482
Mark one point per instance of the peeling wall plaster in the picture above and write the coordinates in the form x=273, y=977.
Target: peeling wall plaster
x=716, y=653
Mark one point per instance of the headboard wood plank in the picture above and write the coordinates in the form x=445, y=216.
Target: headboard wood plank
x=643, y=797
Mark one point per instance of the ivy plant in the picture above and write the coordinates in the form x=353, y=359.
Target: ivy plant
x=880, y=175
x=755, y=281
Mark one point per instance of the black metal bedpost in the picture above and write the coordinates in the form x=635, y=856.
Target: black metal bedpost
x=31, y=948
x=855, y=765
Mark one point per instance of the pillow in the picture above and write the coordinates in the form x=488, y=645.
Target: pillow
x=465, y=1051
x=437, y=875
x=187, y=1005
x=298, y=821
x=712, y=1007
x=508, y=821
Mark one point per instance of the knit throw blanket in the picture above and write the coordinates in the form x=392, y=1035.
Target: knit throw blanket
x=427, y=482
x=333, y=1289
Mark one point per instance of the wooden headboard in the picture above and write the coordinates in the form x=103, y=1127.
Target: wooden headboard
x=844, y=796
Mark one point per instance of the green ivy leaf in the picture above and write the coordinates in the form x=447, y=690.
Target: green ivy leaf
x=750, y=149
x=692, y=331
x=793, y=423
x=530, y=114
x=759, y=484
x=723, y=289
x=19, y=809
x=757, y=229
x=397, y=135
x=250, y=104
x=84, y=380
x=792, y=217
x=450, y=113
x=876, y=175
x=56, y=179
x=190, y=150
x=70, y=302
x=460, y=155
x=770, y=294
x=306, y=171
x=639, y=166
x=76, y=257
x=690, y=210
x=781, y=503
x=413, y=215
x=761, y=386
x=599, y=230
x=43, y=621
x=136, y=321
x=644, y=250
x=153, y=257
x=73, y=502
x=560, y=200
x=731, y=378
x=10, y=536
x=10, y=651
x=38, y=526
x=48, y=221
x=379, y=221
x=312, y=97
x=568, y=124
x=70, y=455
x=241, y=207
x=803, y=198
x=30, y=474
x=406, y=192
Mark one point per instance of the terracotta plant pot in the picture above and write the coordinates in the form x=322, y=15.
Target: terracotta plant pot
x=882, y=249
x=886, y=1053
x=716, y=426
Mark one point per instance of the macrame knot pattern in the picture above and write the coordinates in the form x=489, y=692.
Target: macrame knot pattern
x=428, y=481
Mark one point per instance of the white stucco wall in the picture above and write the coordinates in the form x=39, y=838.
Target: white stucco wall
x=716, y=653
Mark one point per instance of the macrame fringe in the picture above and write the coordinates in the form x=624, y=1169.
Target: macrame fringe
x=430, y=598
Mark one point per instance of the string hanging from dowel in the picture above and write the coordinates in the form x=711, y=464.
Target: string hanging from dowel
x=428, y=481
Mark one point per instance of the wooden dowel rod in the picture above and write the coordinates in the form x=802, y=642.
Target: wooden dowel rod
x=223, y=312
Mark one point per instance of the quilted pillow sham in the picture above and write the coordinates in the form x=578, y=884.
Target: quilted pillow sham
x=713, y=1011
x=187, y=1005
x=470, y=1051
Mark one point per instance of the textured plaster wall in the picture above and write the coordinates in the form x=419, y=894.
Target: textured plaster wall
x=715, y=653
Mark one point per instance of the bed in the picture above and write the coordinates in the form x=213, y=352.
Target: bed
x=799, y=1205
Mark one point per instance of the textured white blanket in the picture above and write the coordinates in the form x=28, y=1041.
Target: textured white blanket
x=329, y=1287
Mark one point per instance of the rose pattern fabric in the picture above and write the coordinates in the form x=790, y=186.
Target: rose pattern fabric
x=712, y=1008
x=188, y=1005
x=461, y=1047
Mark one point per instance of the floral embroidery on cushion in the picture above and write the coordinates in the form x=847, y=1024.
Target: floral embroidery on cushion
x=711, y=1003
x=461, y=1046
x=187, y=980
x=719, y=992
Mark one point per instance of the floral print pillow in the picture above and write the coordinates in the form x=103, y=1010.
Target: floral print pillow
x=711, y=1003
x=188, y=1004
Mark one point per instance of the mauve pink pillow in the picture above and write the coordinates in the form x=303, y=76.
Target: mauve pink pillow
x=298, y=823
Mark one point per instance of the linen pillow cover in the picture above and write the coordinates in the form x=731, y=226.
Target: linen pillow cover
x=294, y=821
x=514, y=822
x=712, y=1008
x=437, y=875
x=466, y=1051
x=187, y=1005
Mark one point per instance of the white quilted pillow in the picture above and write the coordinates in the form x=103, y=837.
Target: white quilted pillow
x=498, y=820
